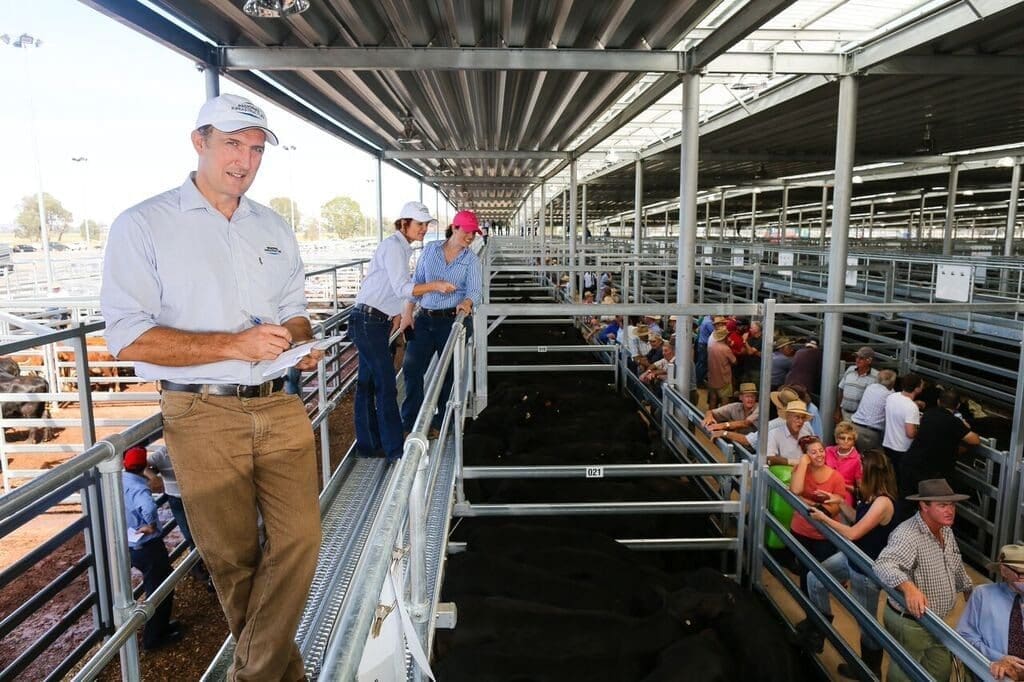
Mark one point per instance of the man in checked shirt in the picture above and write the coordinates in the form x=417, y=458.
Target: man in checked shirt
x=923, y=562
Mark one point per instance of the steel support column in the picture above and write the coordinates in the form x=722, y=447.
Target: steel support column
x=583, y=217
x=920, y=222
x=947, y=230
x=846, y=141
x=721, y=217
x=638, y=196
x=753, y=216
x=783, y=215
x=380, y=203
x=212, y=78
x=1011, y=211
x=686, y=249
x=824, y=209
x=574, y=277
x=542, y=225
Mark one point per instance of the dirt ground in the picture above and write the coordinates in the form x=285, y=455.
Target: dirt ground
x=197, y=609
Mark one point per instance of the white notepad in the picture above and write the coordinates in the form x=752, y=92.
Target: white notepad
x=293, y=355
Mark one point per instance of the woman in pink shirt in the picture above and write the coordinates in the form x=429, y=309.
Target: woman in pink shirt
x=844, y=457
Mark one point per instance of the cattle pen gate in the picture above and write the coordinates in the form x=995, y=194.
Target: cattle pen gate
x=387, y=529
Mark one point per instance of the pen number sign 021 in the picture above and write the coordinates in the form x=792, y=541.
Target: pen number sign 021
x=594, y=472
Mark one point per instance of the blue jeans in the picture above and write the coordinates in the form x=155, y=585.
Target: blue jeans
x=178, y=510
x=378, y=426
x=701, y=373
x=429, y=337
x=863, y=589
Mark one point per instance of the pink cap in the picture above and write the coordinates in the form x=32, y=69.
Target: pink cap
x=466, y=221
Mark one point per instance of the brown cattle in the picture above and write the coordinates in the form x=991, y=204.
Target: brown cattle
x=97, y=353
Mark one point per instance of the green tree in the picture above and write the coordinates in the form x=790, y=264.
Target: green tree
x=342, y=216
x=96, y=229
x=58, y=218
x=284, y=207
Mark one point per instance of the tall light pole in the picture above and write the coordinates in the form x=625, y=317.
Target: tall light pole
x=26, y=41
x=84, y=160
x=291, y=187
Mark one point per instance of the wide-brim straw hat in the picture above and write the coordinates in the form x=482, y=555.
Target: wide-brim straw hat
x=797, y=407
x=783, y=397
x=1010, y=555
x=747, y=387
x=936, y=490
x=642, y=332
x=783, y=342
x=720, y=334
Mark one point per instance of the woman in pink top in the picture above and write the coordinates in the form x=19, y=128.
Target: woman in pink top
x=815, y=482
x=844, y=457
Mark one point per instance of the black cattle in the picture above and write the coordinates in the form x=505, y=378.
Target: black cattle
x=702, y=657
x=490, y=663
x=478, y=574
x=615, y=428
x=28, y=383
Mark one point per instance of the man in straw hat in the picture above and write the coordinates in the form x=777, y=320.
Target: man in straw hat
x=992, y=621
x=783, y=444
x=923, y=562
x=741, y=416
x=782, y=360
x=638, y=345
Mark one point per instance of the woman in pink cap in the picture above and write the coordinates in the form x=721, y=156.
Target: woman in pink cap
x=453, y=261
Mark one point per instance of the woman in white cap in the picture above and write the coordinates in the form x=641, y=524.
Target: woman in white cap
x=380, y=311
x=451, y=260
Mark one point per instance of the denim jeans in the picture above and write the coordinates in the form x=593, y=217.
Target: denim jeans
x=178, y=510
x=378, y=425
x=430, y=334
x=863, y=589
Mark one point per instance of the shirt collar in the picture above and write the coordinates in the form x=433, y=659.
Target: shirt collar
x=190, y=198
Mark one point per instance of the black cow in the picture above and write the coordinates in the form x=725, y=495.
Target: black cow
x=28, y=383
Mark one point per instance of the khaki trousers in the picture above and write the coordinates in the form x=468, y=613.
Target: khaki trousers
x=237, y=459
x=920, y=644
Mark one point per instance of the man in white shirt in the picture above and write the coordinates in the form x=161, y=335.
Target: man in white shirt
x=869, y=419
x=902, y=417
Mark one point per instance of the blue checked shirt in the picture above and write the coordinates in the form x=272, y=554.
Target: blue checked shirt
x=463, y=272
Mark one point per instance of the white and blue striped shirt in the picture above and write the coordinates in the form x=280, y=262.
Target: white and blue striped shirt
x=463, y=272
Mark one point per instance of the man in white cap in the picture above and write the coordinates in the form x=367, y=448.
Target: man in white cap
x=202, y=288
x=993, y=622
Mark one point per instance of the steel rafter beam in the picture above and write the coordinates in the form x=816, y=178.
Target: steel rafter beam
x=746, y=19
x=449, y=59
x=480, y=180
x=474, y=154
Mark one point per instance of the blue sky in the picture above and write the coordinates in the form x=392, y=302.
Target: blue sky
x=103, y=91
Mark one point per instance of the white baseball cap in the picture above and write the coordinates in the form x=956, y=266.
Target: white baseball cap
x=231, y=113
x=415, y=210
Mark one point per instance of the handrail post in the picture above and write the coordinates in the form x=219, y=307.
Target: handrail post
x=118, y=559
x=458, y=390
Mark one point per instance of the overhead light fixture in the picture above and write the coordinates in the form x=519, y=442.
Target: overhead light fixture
x=612, y=156
x=857, y=180
x=409, y=135
x=969, y=192
x=24, y=40
x=274, y=9
x=1005, y=162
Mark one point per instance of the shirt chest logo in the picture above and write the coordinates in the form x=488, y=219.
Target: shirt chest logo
x=271, y=251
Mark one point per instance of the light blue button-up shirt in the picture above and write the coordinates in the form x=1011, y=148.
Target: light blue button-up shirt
x=985, y=623
x=176, y=261
x=139, y=507
x=463, y=272
x=388, y=284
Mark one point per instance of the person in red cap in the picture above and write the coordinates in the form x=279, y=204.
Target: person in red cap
x=146, y=545
x=453, y=261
